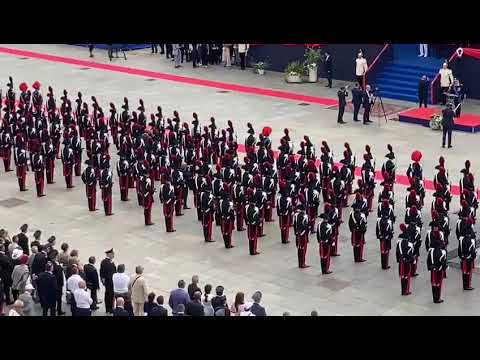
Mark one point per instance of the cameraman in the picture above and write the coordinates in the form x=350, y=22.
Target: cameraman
x=342, y=102
x=367, y=105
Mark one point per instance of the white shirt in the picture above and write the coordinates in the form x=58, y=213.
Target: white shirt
x=446, y=77
x=120, y=283
x=12, y=312
x=73, y=281
x=82, y=299
x=361, y=67
x=243, y=48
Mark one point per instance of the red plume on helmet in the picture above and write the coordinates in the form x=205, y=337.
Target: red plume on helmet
x=464, y=203
x=311, y=166
x=257, y=180
x=226, y=187
x=327, y=207
x=416, y=156
x=403, y=228
x=23, y=87
x=358, y=196
x=439, y=201
x=413, y=193
x=438, y=187
x=282, y=184
x=36, y=85
x=335, y=169
x=413, y=210
x=250, y=193
x=266, y=131
x=311, y=176
x=469, y=221
x=441, y=161
x=434, y=214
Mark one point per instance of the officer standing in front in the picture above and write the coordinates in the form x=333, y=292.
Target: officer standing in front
x=342, y=102
x=447, y=122
x=357, y=99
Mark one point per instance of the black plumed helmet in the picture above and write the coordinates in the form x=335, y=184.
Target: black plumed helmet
x=390, y=148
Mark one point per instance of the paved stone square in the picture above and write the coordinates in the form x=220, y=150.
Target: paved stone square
x=352, y=289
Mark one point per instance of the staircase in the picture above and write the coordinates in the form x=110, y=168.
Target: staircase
x=398, y=79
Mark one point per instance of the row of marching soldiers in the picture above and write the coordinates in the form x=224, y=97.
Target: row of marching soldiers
x=437, y=238
x=36, y=131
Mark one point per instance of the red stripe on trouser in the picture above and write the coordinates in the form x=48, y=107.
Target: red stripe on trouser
x=107, y=201
x=227, y=228
x=168, y=210
x=207, y=226
x=50, y=171
x=302, y=243
x=240, y=212
x=284, y=222
x=334, y=245
x=405, y=273
x=147, y=208
x=179, y=201
x=123, y=183
x=437, y=280
x=252, y=234
x=91, y=197
x=39, y=181
x=324, y=250
x=467, y=267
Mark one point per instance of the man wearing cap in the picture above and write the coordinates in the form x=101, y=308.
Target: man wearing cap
x=207, y=208
x=107, y=269
x=167, y=198
x=252, y=219
x=106, y=184
x=147, y=189
x=301, y=228
x=357, y=224
x=448, y=123
x=20, y=157
x=325, y=238
x=90, y=180
x=37, y=99
x=38, y=167
x=405, y=253
x=47, y=290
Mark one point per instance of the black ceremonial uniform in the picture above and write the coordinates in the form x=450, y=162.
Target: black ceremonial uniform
x=107, y=269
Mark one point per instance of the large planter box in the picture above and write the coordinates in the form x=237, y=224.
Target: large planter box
x=290, y=78
x=313, y=74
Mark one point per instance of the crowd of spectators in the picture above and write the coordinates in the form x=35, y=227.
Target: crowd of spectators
x=36, y=278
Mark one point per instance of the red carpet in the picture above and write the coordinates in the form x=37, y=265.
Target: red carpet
x=422, y=116
x=169, y=77
x=401, y=179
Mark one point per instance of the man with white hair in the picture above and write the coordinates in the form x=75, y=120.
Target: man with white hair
x=17, y=309
x=73, y=283
x=83, y=300
x=138, y=290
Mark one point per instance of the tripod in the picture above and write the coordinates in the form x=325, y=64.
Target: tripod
x=378, y=101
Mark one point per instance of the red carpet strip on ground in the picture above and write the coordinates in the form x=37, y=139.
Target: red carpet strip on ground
x=169, y=77
x=400, y=179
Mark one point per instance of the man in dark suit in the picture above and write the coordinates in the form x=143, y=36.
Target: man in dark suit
x=193, y=287
x=357, y=99
x=119, y=310
x=195, y=307
x=342, y=102
x=58, y=273
x=47, y=290
x=23, y=240
x=423, y=86
x=448, y=124
x=159, y=310
x=107, y=269
x=39, y=261
x=219, y=299
x=328, y=69
x=6, y=269
x=256, y=308
x=178, y=296
x=92, y=280
x=367, y=105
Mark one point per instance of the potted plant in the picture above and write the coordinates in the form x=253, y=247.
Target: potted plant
x=294, y=72
x=436, y=122
x=312, y=59
x=260, y=66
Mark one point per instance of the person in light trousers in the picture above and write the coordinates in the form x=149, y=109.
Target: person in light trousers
x=226, y=56
x=139, y=291
x=177, y=55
